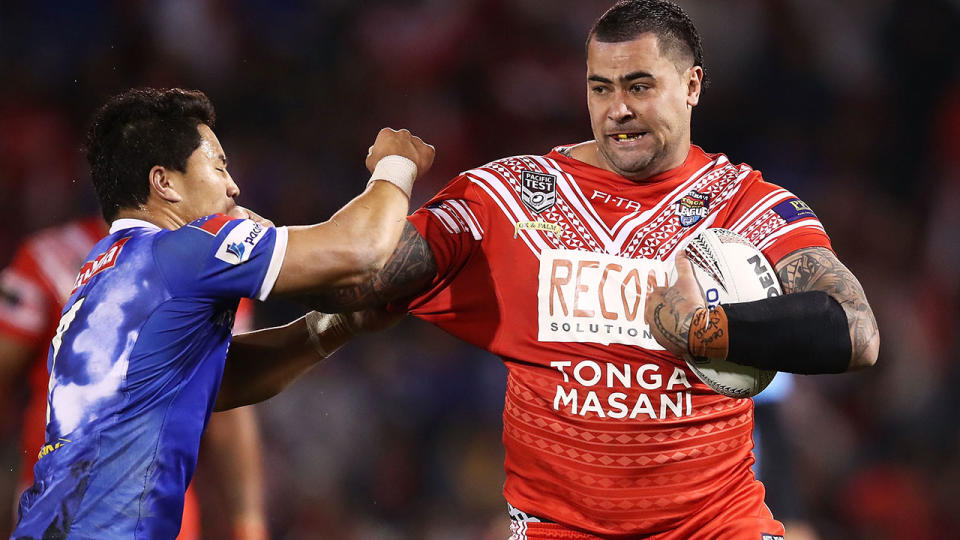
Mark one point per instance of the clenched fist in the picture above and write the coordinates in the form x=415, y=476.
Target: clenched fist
x=402, y=143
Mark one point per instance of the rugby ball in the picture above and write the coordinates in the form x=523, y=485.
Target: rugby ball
x=730, y=269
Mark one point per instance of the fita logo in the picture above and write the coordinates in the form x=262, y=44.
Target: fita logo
x=236, y=249
x=693, y=207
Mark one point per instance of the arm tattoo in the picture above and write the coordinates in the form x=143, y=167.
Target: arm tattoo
x=408, y=271
x=818, y=269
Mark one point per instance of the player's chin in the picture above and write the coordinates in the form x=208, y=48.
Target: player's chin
x=633, y=165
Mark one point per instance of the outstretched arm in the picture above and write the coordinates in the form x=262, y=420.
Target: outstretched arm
x=407, y=272
x=358, y=239
x=261, y=364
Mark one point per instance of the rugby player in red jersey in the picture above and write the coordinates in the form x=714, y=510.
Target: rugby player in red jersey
x=558, y=264
x=33, y=289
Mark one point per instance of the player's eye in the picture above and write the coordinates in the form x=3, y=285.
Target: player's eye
x=599, y=90
x=638, y=88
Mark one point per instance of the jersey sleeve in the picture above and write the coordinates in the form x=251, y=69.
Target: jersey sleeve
x=453, y=224
x=221, y=257
x=26, y=301
x=777, y=221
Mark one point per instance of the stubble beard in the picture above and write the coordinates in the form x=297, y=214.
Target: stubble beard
x=639, y=167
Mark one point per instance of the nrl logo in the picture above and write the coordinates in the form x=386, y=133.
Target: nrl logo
x=538, y=190
x=693, y=207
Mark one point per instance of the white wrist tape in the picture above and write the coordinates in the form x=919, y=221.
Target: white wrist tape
x=397, y=170
x=329, y=326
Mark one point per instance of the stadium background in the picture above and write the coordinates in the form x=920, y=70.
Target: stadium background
x=855, y=106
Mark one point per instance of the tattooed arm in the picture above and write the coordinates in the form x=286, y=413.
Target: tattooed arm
x=407, y=272
x=261, y=364
x=809, y=330
x=818, y=269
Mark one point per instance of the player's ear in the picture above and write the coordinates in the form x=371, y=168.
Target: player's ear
x=161, y=184
x=694, y=85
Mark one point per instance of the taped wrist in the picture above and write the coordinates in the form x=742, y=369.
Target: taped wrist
x=328, y=332
x=709, y=333
x=397, y=170
x=803, y=333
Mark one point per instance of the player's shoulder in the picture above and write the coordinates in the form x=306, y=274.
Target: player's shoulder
x=512, y=164
x=204, y=232
x=231, y=240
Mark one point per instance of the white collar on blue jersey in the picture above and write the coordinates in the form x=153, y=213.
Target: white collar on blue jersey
x=130, y=223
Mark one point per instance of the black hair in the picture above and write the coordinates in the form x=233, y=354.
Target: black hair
x=627, y=19
x=137, y=130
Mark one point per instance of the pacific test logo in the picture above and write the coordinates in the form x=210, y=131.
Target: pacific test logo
x=538, y=191
x=239, y=243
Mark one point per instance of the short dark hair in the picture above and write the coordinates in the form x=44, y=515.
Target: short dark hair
x=627, y=19
x=137, y=130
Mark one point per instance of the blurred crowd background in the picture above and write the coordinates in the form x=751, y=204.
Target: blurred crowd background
x=853, y=105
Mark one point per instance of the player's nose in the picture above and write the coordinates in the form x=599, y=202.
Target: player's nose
x=232, y=188
x=619, y=112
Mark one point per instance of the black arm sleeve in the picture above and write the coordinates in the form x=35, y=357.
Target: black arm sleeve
x=797, y=333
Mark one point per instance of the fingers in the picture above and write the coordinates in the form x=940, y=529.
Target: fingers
x=402, y=143
x=245, y=213
x=686, y=278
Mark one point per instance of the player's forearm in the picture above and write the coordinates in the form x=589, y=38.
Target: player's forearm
x=408, y=271
x=817, y=269
x=823, y=324
x=349, y=248
x=261, y=364
x=233, y=436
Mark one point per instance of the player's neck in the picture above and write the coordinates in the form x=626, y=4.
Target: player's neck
x=162, y=217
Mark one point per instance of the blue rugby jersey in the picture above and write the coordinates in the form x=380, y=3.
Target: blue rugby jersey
x=135, y=368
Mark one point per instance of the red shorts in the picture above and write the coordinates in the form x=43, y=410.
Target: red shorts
x=743, y=516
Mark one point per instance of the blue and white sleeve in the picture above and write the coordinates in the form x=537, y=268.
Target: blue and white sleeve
x=221, y=257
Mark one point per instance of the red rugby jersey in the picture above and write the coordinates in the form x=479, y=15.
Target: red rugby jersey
x=34, y=288
x=544, y=261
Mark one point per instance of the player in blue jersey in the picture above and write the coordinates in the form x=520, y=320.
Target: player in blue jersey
x=137, y=360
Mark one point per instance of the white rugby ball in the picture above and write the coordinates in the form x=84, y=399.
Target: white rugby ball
x=730, y=269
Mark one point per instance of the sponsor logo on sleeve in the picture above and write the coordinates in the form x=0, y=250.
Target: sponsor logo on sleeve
x=100, y=263
x=793, y=209
x=239, y=243
x=538, y=191
x=693, y=207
